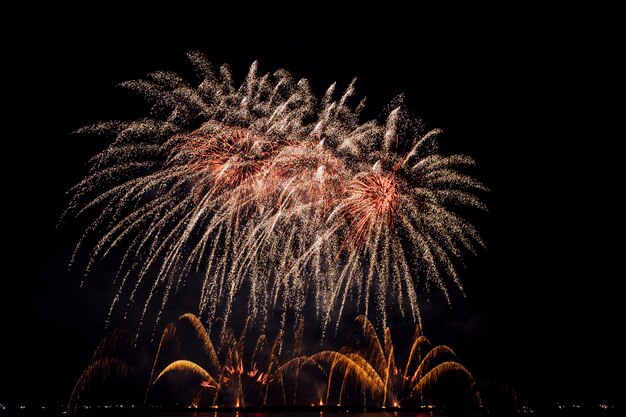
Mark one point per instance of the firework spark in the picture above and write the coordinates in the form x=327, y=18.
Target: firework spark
x=265, y=185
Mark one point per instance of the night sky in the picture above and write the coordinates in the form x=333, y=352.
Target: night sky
x=527, y=100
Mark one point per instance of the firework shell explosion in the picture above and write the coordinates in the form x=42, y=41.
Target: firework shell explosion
x=268, y=188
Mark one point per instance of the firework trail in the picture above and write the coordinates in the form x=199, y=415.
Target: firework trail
x=265, y=185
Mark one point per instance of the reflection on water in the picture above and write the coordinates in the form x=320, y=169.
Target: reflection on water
x=304, y=413
x=271, y=414
x=310, y=414
x=287, y=413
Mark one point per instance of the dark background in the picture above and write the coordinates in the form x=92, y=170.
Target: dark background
x=528, y=95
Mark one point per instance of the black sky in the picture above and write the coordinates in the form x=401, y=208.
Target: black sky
x=528, y=100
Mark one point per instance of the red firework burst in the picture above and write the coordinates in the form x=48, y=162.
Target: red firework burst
x=370, y=203
x=222, y=158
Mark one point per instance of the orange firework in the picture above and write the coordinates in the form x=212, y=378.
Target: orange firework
x=373, y=371
x=238, y=378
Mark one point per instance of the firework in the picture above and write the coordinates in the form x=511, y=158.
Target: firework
x=241, y=377
x=265, y=185
x=249, y=372
x=117, y=359
x=373, y=369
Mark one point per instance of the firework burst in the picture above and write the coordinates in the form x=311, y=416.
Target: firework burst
x=268, y=186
